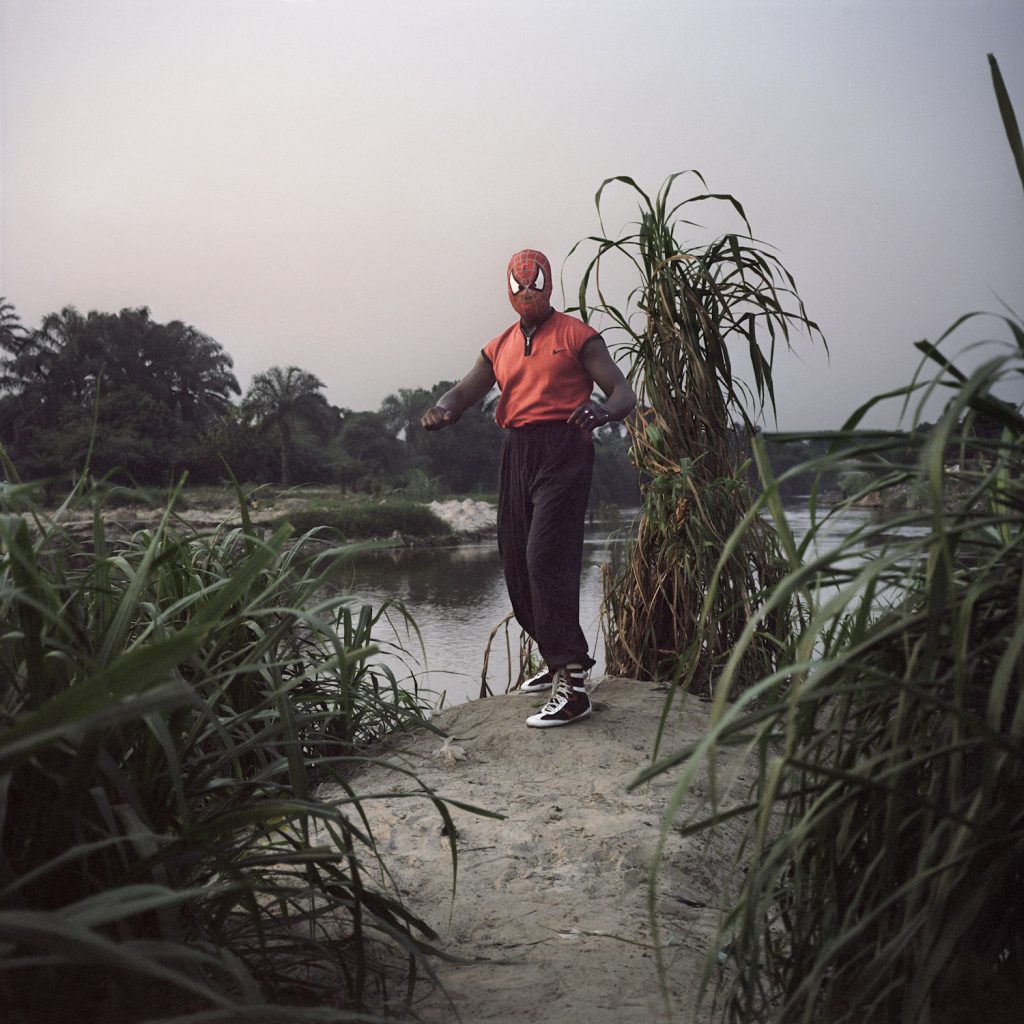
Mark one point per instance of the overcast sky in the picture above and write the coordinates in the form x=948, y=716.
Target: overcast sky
x=338, y=184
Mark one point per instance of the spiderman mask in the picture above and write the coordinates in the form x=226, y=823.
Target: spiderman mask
x=529, y=285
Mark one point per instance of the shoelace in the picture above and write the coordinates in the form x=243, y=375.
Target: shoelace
x=559, y=698
x=562, y=695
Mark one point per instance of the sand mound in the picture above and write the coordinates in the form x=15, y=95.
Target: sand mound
x=466, y=515
x=559, y=886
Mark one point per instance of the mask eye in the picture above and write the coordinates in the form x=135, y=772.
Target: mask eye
x=538, y=285
x=513, y=285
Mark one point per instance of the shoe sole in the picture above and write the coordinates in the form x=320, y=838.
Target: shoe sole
x=554, y=723
x=531, y=685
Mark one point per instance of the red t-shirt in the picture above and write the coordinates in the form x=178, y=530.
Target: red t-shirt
x=545, y=380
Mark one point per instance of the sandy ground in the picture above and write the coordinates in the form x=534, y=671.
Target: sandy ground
x=557, y=889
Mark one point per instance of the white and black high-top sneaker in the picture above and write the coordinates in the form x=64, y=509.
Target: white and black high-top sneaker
x=539, y=683
x=569, y=700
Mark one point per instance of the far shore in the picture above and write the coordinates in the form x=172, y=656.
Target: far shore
x=461, y=520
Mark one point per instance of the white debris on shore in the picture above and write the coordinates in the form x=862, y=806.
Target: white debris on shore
x=467, y=515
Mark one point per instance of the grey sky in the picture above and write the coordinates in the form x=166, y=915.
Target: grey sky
x=338, y=184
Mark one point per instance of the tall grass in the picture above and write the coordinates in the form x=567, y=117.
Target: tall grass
x=882, y=865
x=694, y=305
x=168, y=705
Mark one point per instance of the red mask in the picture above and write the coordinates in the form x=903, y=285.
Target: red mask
x=529, y=285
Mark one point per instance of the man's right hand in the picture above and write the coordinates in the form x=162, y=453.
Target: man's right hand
x=453, y=403
x=437, y=417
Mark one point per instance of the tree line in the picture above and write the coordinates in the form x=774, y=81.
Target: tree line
x=140, y=402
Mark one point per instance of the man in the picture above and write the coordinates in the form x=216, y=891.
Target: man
x=546, y=365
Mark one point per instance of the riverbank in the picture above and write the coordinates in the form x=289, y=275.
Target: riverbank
x=549, y=921
x=454, y=521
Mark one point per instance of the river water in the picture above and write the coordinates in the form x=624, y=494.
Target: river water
x=457, y=597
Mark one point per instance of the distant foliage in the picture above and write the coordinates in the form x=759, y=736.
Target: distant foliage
x=138, y=402
x=366, y=455
x=114, y=393
x=616, y=477
x=464, y=460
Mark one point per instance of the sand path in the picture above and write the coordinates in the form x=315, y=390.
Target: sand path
x=558, y=888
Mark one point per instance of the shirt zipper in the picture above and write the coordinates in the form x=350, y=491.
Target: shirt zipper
x=528, y=339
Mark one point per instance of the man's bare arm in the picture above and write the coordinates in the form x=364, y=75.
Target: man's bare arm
x=610, y=379
x=452, y=404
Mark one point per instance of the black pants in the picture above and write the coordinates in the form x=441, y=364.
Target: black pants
x=542, y=503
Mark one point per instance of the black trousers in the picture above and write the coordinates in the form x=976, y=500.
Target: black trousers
x=543, y=491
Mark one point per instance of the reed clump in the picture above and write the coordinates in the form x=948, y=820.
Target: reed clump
x=669, y=613
x=169, y=703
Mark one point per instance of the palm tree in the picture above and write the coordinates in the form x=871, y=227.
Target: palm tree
x=12, y=333
x=44, y=370
x=138, y=385
x=402, y=411
x=181, y=368
x=281, y=399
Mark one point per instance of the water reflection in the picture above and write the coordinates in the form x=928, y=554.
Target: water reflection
x=447, y=577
